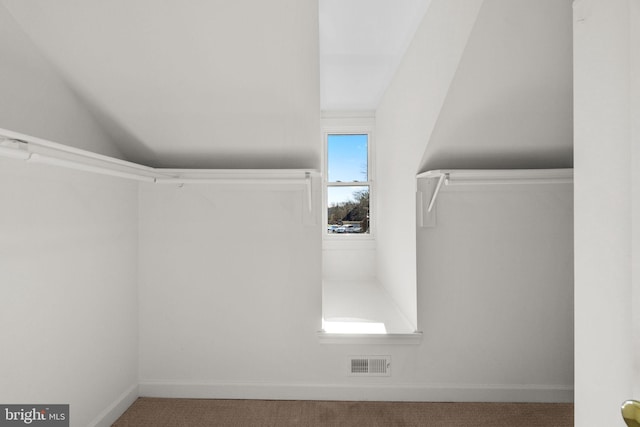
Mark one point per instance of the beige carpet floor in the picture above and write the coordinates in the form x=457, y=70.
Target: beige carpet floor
x=155, y=412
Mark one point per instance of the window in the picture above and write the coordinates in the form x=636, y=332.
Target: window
x=348, y=184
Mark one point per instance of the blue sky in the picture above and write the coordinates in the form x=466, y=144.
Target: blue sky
x=347, y=157
x=347, y=162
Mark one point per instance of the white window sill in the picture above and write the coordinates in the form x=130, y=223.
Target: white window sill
x=412, y=338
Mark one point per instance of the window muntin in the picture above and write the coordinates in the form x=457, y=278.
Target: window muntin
x=348, y=188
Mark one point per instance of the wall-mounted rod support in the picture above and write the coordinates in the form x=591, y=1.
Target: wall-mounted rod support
x=436, y=191
x=307, y=178
x=45, y=152
x=22, y=146
x=13, y=149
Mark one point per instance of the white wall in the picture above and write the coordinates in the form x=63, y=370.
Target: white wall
x=34, y=99
x=634, y=110
x=404, y=121
x=230, y=293
x=606, y=87
x=230, y=302
x=229, y=281
x=229, y=284
x=353, y=261
x=495, y=285
x=483, y=85
x=68, y=261
x=68, y=253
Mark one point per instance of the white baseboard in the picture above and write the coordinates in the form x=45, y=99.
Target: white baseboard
x=407, y=392
x=117, y=408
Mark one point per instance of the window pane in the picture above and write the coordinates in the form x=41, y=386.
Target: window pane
x=347, y=158
x=348, y=209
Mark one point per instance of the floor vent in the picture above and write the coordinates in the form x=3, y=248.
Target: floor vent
x=376, y=366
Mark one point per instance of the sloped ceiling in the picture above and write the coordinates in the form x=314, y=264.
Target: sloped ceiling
x=204, y=83
x=221, y=84
x=510, y=104
x=361, y=45
x=240, y=84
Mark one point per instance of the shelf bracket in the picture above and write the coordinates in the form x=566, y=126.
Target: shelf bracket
x=436, y=191
x=427, y=195
x=307, y=178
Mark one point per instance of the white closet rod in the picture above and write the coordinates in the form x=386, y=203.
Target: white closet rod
x=480, y=181
x=239, y=181
x=500, y=176
x=30, y=149
x=69, y=164
x=37, y=150
x=476, y=177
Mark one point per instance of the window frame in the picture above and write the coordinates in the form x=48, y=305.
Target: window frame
x=356, y=129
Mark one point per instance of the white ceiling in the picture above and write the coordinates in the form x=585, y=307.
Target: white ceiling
x=214, y=83
x=361, y=45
